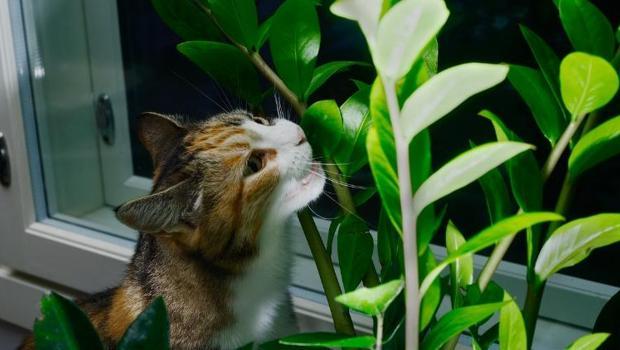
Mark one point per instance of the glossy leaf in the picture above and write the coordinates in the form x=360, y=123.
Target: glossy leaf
x=324, y=72
x=320, y=119
x=355, y=246
x=333, y=340
x=421, y=71
x=445, y=91
x=587, y=27
x=240, y=77
x=548, y=62
x=432, y=299
x=150, y=330
x=574, y=241
x=495, y=194
x=64, y=326
x=264, y=30
x=237, y=18
x=186, y=20
x=488, y=237
x=372, y=301
x=532, y=87
x=331, y=233
x=462, y=269
x=463, y=170
x=589, y=342
x=403, y=32
x=365, y=12
x=455, y=322
x=587, y=83
x=294, y=47
x=598, y=145
x=512, y=334
x=389, y=243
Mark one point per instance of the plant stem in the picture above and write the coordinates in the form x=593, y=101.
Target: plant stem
x=493, y=261
x=409, y=218
x=379, y=341
x=342, y=318
x=560, y=147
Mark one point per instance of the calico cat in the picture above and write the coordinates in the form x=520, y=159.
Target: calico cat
x=213, y=239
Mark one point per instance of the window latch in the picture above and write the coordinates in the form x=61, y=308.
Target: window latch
x=105, y=118
x=5, y=168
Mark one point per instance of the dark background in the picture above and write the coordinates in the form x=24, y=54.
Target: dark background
x=159, y=79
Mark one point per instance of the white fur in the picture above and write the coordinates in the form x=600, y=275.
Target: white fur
x=260, y=297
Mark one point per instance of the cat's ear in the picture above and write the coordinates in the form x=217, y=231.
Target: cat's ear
x=159, y=134
x=162, y=212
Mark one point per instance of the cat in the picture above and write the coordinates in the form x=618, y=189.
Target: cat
x=213, y=239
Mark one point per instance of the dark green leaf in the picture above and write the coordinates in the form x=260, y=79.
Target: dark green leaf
x=363, y=196
x=237, y=18
x=372, y=301
x=389, y=244
x=149, y=331
x=264, y=30
x=598, y=145
x=64, y=326
x=322, y=339
x=432, y=299
x=587, y=28
x=355, y=246
x=320, y=119
x=239, y=77
x=495, y=193
x=331, y=233
x=324, y=72
x=294, y=47
x=533, y=88
x=455, y=322
x=186, y=19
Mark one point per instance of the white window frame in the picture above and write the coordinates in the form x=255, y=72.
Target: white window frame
x=39, y=253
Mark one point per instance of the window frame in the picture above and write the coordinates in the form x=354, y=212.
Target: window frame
x=47, y=249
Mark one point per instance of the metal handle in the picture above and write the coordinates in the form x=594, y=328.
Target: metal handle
x=5, y=166
x=104, y=115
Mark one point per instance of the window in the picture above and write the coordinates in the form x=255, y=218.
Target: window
x=75, y=74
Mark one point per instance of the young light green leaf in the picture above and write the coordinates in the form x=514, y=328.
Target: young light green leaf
x=548, y=62
x=237, y=18
x=531, y=86
x=150, y=330
x=455, y=322
x=462, y=269
x=324, y=72
x=463, y=170
x=294, y=47
x=598, y=145
x=587, y=27
x=372, y=301
x=512, y=335
x=589, y=342
x=355, y=246
x=240, y=77
x=320, y=119
x=488, y=237
x=587, y=82
x=574, y=241
x=445, y=91
x=403, y=32
x=264, y=31
x=186, y=20
x=331, y=340
x=365, y=12
x=64, y=326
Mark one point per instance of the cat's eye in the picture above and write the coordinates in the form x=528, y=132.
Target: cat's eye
x=254, y=164
x=261, y=120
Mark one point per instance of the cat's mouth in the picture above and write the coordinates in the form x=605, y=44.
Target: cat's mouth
x=315, y=171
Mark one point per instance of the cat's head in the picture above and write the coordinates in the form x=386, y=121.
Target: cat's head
x=218, y=181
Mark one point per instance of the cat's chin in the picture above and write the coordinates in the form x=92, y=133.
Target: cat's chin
x=306, y=189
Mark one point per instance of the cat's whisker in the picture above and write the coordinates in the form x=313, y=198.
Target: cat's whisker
x=197, y=89
x=318, y=215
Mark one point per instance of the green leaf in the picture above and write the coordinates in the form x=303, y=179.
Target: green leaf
x=488, y=237
x=150, y=330
x=598, y=145
x=587, y=82
x=531, y=86
x=365, y=12
x=186, y=19
x=324, y=72
x=363, y=196
x=372, y=301
x=445, y=91
x=294, y=47
x=264, y=31
x=237, y=18
x=463, y=170
x=589, y=342
x=587, y=28
x=462, y=269
x=331, y=233
x=573, y=242
x=240, y=77
x=355, y=246
x=389, y=244
x=64, y=326
x=512, y=335
x=548, y=62
x=320, y=119
x=403, y=32
x=495, y=193
x=455, y=322
x=432, y=299
x=332, y=340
